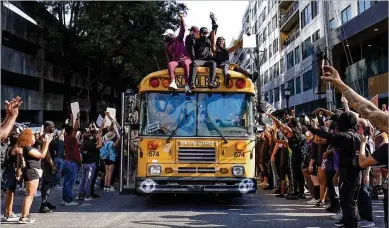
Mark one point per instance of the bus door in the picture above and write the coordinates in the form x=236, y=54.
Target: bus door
x=129, y=148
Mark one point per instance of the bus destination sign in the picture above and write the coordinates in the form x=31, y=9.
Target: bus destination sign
x=202, y=81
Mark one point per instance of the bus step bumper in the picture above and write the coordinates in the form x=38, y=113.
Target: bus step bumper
x=155, y=185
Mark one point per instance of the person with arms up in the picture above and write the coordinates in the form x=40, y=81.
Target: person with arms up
x=347, y=141
x=362, y=106
x=379, y=157
x=203, y=57
x=12, y=112
x=72, y=159
x=190, y=41
x=176, y=54
x=30, y=161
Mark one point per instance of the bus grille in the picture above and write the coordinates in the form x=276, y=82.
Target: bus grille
x=197, y=155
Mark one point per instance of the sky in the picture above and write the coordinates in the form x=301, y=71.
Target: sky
x=229, y=16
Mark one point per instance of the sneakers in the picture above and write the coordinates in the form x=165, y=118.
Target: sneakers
x=173, y=86
x=106, y=189
x=51, y=206
x=320, y=204
x=112, y=189
x=338, y=216
x=364, y=223
x=11, y=218
x=80, y=197
x=45, y=209
x=26, y=220
x=69, y=204
x=264, y=184
x=313, y=201
x=89, y=198
x=187, y=90
x=339, y=224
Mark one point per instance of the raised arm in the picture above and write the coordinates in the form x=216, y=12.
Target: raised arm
x=283, y=127
x=12, y=112
x=182, y=27
x=235, y=47
x=363, y=106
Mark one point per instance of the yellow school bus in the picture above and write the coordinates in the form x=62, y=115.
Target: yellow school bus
x=198, y=143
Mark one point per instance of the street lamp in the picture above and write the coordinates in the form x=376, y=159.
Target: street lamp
x=287, y=96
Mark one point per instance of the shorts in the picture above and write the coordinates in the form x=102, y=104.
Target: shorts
x=9, y=178
x=30, y=174
x=109, y=162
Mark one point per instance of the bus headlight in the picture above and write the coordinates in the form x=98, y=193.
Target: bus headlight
x=238, y=170
x=155, y=169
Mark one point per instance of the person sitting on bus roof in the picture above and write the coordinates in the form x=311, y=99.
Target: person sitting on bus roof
x=176, y=54
x=190, y=41
x=203, y=57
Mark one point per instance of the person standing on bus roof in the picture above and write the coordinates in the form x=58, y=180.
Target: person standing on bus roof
x=204, y=57
x=176, y=54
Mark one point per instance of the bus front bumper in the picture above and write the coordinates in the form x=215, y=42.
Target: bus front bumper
x=219, y=185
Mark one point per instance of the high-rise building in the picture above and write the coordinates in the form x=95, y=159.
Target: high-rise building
x=293, y=34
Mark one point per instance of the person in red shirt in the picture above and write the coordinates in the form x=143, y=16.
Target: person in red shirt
x=176, y=54
x=70, y=166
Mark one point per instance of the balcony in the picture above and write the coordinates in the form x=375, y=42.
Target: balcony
x=290, y=18
x=285, y=4
x=292, y=36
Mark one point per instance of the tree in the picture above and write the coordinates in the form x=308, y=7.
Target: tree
x=121, y=41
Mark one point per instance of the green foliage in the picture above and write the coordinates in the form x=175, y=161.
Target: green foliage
x=121, y=40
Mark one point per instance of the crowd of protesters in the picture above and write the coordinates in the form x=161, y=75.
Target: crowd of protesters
x=42, y=160
x=340, y=157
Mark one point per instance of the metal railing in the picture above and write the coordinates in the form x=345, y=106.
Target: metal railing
x=289, y=13
x=291, y=38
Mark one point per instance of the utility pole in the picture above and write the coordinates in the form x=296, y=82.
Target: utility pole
x=327, y=53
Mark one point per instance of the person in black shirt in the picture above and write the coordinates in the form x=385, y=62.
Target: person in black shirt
x=190, y=41
x=203, y=57
x=347, y=142
x=90, y=156
x=379, y=157
x=49, y=169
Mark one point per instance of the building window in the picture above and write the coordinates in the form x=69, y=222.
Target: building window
x=298, y=85
x=269, y=28
x=314, y=8
x=306, y=48
x=266, y=77
x=277, y=94
x=270, y=51
x=271, y=97
x=265, y=56
x=307, y=80
x=275, y=45
x=267, y=97
x=290, y=60
x=363, y=5
x=283, y=90
x=332, y=24
x=291, y=87
x=346, y=14
x=258, y=41
x=281, y=65
x=297, y=54
x=274, y=22
x=264, y=14
x=316, y=36
x=271, y=76
x=264, y=35
x=305, y=16
x=276, y=70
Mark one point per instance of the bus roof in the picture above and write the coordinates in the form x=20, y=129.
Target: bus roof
x=159, y=81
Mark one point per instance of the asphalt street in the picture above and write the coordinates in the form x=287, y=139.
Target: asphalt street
x=114, y=210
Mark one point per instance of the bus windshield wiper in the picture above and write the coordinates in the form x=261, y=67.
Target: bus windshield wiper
x=175, y=130
x=214, y=126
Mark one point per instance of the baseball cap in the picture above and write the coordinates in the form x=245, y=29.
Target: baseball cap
x=203, y=30
x=194, y=28
x=168, y=32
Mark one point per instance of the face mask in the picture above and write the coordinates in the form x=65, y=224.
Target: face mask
x=168, y=39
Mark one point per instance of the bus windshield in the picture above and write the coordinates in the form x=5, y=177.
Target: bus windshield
x=196, y=115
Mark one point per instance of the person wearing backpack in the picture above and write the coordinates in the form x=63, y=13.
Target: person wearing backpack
x=348, y=142
x=108, y=154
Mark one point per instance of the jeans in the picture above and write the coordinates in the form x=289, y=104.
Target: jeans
x=334, y=198
x=88, y=171
x=70, y=170
x=365, y=207
x=184, y=63
x=207, y=63
x=225, y=66
x=47, y=182
x=59, y=164
x=349, y=180
x=276, y=178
